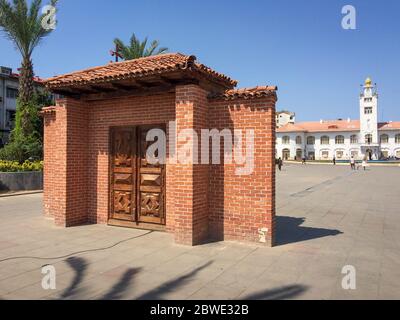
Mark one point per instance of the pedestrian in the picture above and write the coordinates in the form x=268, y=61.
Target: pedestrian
x=280, y=163
x=364, y=163
x=334, y=161
x=353, y=163
x=303, y=160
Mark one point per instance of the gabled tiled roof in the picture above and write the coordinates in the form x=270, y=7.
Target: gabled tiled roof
x=247, y=93
x=137, y=69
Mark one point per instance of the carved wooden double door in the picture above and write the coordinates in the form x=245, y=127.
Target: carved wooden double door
x=137, y=187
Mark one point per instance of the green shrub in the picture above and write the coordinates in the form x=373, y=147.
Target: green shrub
x=14, y=166
x=21, y=149
x=26, y=137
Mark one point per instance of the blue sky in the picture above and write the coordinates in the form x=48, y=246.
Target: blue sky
x=297, y=45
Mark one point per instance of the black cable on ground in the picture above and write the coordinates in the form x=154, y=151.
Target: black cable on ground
x=78, y=252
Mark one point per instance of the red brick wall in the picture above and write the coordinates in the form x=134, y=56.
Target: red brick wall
x=77, y=162
x=191, y=180
x=240, y=205
x=54, y=182
x=65, y=168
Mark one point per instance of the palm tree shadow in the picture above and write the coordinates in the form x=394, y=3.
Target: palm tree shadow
x=290, y=230
x=287, y=292
x=79, y=265
x=172, y=285
x=125, y=282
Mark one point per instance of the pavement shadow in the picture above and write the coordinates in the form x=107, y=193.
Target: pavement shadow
x=287, y=292
x=79, y=265
x=125, y=282
x=170, y=286
x=290, y=230
x=118, y=290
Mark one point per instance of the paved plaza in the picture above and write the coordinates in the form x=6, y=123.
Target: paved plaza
x=328, y=217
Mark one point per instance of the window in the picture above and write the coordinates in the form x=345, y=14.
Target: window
x=368, y=138
x=298, y=140
x=385, y=154
x=10, y=119
x=339, y=140
x=354, y=139
x=286, y=140
x=339, y=154
x=384, y=138
x=325, y=154
x=299, y=154
x=310, y=140
x=397, y=138
x=368, y=99
x=354, y=154
x=398, y=154
x=311, y=155
x=285, y=154
x=324, y=140
x=368, y=110
x=12, y=93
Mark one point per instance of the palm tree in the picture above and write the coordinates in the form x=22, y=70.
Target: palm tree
x=23, y=26
x=137, y=49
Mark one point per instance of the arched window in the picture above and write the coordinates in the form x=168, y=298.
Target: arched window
x=368, y=138
x=298, y=140
x=339, y=140
x=324, y=140
x=310, y=140
x=397, y=138
x=286, y=140
x=354, y=139
x=384, y=138
x=285, y=154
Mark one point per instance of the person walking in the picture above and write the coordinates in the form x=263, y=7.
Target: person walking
x=303, y=160
x=280, y=163
x=364, y=163
x=334, y=161
x=353, y=163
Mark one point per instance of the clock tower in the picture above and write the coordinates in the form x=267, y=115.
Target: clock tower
x=369, y=120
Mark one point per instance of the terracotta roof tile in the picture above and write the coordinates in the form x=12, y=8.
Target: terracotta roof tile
x=136, y=69
x=324, y=126
x=389, y=125
x=47, y=110
x=247, y=93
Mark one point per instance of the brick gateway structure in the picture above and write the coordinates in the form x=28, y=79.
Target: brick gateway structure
x=95, y=140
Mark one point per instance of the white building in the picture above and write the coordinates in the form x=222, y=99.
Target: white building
x=342, y=139
x=9, y=83
x=285, y=117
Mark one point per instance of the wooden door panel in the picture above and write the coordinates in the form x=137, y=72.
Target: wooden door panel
x=137, y=187
x=123, y=174
x=151, y=183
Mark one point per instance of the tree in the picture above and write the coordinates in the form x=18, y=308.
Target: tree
x=137, y=49
x=24, y=27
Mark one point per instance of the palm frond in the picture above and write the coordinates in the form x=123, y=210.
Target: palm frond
x=137, y=49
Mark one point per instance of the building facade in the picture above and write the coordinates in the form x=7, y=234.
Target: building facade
x=9, y=83
x=342, y=139
x=285, y=117
x=96, y=165
x=8, y=101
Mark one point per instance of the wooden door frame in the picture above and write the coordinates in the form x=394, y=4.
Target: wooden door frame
x=125, y=223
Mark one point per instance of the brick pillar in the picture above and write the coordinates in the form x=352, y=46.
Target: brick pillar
x=65, y=158
x=190, y=190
